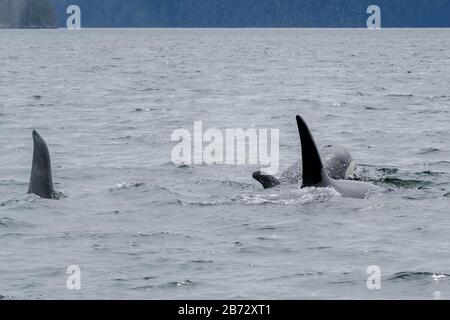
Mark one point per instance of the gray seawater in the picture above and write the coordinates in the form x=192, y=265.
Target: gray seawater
x=140, y=227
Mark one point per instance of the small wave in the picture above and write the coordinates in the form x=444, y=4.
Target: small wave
x=183, y=166
x=58, y=195
x=126, y=185
x=369, y=108
x=113, y=212
x=444, y=162
x=175, y=165
x=388, y=170
x=174, y=202
x=163, y=235
x=319, y=248
x=6, y=222
x=202, y=261
x=399, y=95
x=226, y=183
x=407, y=184
x=267, y=228
x=12, y=182
x=295, y=275
x=176, y=284
x=412, y=276
x=150, y=89
x=256, y=199
x=429, y=173
x=272, y=237
x=24, y=199
x=209, y=203
x=428, y=150
x=238, y=184
x=248, y=248
x=441, y=97
x=127, y=137
x=146, y=288
x=291, y=197
x=144, y=109
x=30, y=198
x=370, y=174
x=431, y=111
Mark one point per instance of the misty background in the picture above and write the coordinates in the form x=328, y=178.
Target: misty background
x=224, y=13
x=26, y=14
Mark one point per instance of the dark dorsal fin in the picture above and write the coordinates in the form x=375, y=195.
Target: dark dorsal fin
x=266, y=180
x=312, y=164
x=41, y=181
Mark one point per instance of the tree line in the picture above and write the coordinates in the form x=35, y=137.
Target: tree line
x=225, y=13
x=255, y=13
x=26, y=14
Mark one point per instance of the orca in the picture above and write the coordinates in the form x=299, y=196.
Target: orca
x=41, y=180
x=338, y=164
x=266, y=180
x=314, y=174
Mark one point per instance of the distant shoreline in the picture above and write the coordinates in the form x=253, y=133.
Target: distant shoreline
x=222, y=28
x=26, y=28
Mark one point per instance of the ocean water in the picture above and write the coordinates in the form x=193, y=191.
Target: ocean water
x=140, y=227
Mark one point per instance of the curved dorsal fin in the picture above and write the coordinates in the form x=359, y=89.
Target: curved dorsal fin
x=266, y=180
x=41, y=181
x=312, y=164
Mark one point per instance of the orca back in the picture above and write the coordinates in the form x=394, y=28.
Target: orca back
x=41, y=180
x=266, y=180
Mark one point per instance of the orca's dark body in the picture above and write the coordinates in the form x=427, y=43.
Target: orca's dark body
x=314, y=174
x=41, y=180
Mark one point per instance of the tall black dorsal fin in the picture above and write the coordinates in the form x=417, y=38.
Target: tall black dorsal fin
x=41, y=181
x=312, y=164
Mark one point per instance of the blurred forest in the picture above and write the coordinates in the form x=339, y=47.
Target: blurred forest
x=255, y=13
x=26, y=14
x=225, y=13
